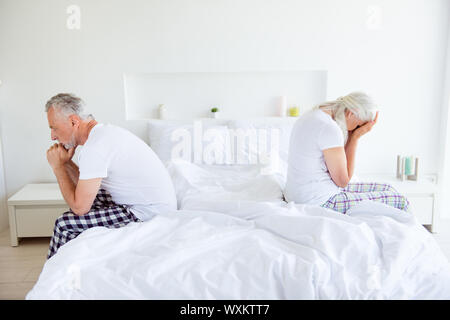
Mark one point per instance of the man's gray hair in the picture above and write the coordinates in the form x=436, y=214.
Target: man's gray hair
x=68, y=104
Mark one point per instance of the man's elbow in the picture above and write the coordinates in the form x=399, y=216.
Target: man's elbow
x=80, y=211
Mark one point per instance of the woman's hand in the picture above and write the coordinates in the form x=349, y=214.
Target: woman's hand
x=366, y=127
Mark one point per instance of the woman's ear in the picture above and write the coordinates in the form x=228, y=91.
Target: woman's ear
x=348, y=113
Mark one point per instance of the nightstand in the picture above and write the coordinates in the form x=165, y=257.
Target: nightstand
x=33, y=211
x=421, y=195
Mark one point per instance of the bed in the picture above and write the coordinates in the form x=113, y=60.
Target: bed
x=234, y=237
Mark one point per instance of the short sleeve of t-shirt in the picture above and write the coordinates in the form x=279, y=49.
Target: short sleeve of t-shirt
x=92, y=165
x=330, y=137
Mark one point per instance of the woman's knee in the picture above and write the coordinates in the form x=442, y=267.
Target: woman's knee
x=395, y=199
x=404, y=203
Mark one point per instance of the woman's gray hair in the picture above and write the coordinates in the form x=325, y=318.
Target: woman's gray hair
x=359, y=103
x=68, y=104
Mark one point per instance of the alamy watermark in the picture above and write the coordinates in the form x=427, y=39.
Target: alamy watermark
x=374, y=19
x=73, y=21
x=74, y=277
x=223, y=145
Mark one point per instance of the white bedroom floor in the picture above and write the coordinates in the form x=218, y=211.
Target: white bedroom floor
x=20, y=266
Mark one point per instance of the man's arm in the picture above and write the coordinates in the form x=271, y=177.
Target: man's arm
x=80, y=196
x=72, y=171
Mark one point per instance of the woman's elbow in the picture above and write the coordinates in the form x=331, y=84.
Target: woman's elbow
x=342, y=182
x=342, y=185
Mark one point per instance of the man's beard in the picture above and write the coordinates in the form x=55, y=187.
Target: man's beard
x=71, y=144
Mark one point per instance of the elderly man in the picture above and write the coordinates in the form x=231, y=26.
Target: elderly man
x=119, y=179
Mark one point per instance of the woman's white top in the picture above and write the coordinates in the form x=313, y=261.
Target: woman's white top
x=308, y=179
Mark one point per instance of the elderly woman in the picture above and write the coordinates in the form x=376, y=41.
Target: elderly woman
x=322, y=156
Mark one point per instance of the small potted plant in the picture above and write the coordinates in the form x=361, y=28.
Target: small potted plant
x=215, y=112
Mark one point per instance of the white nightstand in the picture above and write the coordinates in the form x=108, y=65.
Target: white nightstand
x=33, y=211
x=421, y=195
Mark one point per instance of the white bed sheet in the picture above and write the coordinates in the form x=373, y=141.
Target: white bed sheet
x=232, y=243
x=223, y=189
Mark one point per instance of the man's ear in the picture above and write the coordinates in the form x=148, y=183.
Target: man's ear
x=74, y=120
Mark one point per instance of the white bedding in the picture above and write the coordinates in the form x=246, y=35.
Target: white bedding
x=223, y=189
x=239, y=240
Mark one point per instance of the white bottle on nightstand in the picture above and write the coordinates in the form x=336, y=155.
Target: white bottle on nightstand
x=282, y=107
x=162, y=112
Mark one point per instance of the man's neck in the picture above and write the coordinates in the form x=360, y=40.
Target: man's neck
x=86, y=127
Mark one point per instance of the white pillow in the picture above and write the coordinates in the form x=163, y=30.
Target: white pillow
x=263, y=135
x=201, y=141
x=213, y=187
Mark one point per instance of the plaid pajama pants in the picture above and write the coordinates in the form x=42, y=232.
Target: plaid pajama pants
x=355, y=192
x=104, y=213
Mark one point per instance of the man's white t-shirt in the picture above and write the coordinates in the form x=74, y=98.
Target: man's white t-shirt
x=308, y=180
x=132, y=173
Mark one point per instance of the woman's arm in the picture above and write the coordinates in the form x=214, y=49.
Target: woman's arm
x=336, y=162
x=350, y=152
x=340, y=161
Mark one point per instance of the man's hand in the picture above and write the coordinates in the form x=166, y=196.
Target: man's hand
x=57, y=155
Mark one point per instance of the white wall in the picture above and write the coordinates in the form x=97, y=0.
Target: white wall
x=238, y=95
x=3, y=207
x=401, y=64
x=444, y=140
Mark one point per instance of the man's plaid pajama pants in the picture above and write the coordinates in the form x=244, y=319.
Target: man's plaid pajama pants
x=356, y=192
x=104, y=213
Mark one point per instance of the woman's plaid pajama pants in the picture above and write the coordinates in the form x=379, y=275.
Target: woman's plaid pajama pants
x=356, y=192
x=104, y=213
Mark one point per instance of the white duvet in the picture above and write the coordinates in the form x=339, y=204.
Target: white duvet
x=243, y=242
